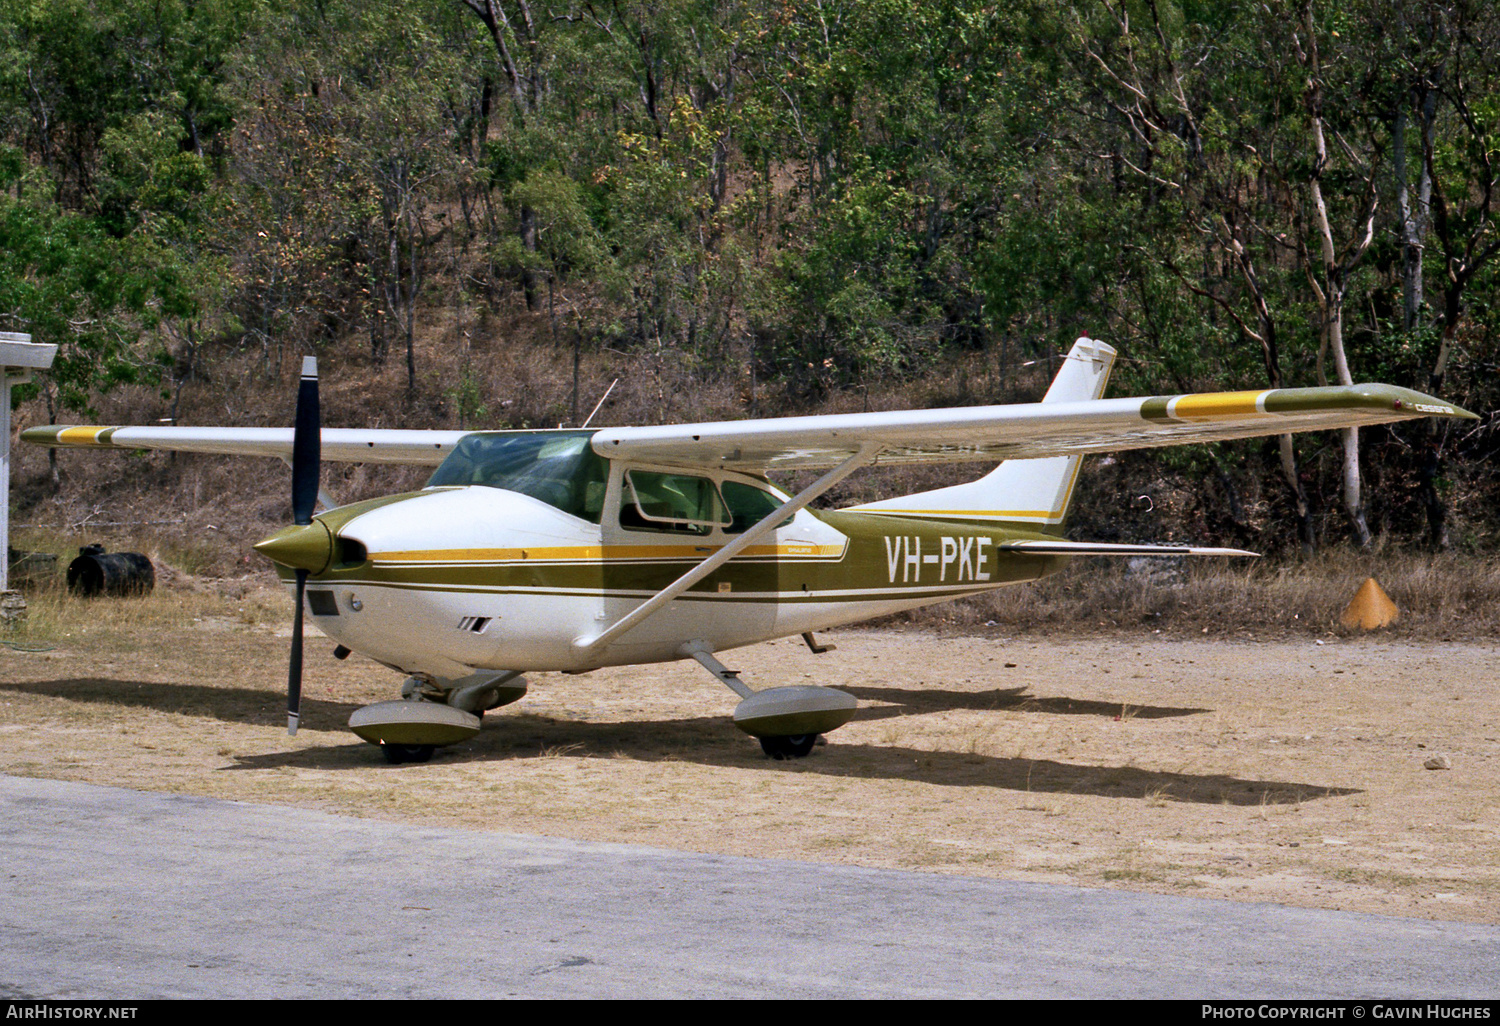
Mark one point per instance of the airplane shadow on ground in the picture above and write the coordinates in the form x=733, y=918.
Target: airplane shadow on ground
x=906, y=702
x=229, y=704
x=705, y=740
x=713, y=741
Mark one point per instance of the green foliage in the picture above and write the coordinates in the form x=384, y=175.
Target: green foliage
x=851, y=190
x=65, y=279
x=467, y=398
x=115, y=119
x=567, y=239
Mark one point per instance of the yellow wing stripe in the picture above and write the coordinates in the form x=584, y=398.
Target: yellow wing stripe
x=1217, y=404
x=81, y=435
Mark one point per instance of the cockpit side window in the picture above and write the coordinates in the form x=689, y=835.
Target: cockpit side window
x=685, y=503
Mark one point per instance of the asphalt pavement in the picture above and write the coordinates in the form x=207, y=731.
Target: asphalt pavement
x=114, y=894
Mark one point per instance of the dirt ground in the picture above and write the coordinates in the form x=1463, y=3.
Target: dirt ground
x=1284, y=771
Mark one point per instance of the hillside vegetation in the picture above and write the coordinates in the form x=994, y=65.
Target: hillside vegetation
x=481, y=213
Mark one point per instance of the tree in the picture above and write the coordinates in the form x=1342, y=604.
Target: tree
x=1450, y=67
x=64, y=279
x=1329, y=273
x=1198, y=106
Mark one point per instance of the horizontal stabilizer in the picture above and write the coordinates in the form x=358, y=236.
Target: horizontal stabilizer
x=1070, y=548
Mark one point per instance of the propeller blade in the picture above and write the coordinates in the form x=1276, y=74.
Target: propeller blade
x=294, y=668
x=307, y=457
x=307, y=448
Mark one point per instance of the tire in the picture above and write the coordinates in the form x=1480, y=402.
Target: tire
x=398, y=754
x=795, y=746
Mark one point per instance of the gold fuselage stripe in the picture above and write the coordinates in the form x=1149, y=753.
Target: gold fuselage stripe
x=979, y=514
x=597, y=553
x=1051, y=516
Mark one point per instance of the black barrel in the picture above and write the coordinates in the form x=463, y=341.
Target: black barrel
x=96, y=572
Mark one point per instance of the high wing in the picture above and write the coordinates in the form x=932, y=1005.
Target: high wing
x=346, y=445
x=988, y=433
x=1019, y=431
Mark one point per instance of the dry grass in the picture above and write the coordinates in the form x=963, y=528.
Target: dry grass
x=1283, y=771
x=1440, y=596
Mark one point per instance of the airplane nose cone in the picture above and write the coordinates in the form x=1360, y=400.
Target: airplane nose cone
x=302, y=547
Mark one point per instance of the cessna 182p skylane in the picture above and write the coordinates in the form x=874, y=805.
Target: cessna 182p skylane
x=572, y=550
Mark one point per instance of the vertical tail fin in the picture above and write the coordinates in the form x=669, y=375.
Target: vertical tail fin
x=1036, y=492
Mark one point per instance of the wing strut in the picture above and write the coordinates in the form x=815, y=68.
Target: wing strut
x=324, y=499
x=866, y=455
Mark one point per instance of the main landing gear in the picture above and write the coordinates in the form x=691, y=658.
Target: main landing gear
x=786, y=721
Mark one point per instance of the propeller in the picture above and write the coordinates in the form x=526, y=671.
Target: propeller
x=307, y=455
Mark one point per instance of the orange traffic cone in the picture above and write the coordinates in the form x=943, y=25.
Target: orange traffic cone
x=1370, y=608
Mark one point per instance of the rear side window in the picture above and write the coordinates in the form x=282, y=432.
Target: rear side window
x=748, y=506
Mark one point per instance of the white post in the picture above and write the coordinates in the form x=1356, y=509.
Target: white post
x=19, y=356
x=4, y=480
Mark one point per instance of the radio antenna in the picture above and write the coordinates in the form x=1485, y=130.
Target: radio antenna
x=600, y=403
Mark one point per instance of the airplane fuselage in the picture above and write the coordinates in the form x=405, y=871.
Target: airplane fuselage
x=454, y=580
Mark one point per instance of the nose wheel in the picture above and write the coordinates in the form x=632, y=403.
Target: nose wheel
x=794, y=746
x=410, y=731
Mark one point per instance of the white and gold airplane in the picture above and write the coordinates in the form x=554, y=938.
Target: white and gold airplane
x=573, y=550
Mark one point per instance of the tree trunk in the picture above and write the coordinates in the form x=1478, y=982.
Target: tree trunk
x=528, y=239
x=1331, y=294
x=413, y=285
x=1307, y=535
x=1413, y=229
x=54, y=474
x=1333, y=312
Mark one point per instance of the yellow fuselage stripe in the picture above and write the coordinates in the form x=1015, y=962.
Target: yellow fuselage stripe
x=980, y=514
x=594, y=553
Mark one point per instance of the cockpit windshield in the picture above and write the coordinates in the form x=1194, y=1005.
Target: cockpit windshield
x=558, y=467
